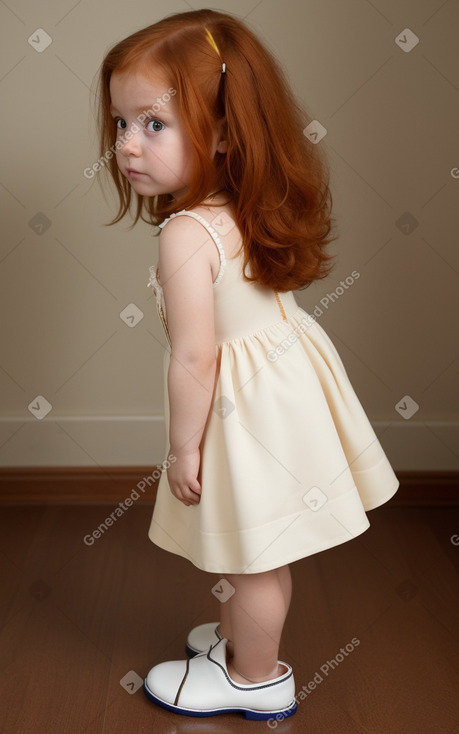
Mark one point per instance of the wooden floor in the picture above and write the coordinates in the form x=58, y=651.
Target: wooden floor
x=77, y=619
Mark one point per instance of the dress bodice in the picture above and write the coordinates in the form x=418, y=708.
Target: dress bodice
x=241, y=307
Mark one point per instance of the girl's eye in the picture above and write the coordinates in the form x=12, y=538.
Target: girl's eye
x=154, y=126
x=120, y=123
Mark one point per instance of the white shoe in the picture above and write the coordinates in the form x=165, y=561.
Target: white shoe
x=202, y=687
x=201, y=638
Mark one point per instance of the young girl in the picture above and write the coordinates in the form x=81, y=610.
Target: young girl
x=271, y=456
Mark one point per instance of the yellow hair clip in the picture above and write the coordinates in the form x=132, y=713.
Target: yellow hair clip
x=211, y=40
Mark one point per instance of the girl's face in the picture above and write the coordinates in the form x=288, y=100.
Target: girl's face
x=157, y=159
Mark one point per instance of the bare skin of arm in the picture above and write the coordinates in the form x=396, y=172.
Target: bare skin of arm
x=186, y=278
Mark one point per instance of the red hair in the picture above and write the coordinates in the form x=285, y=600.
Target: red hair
x=277, y=179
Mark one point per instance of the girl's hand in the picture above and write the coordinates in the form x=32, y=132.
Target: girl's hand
x=182, y=476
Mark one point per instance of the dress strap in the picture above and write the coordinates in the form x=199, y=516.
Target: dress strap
x=213, y=233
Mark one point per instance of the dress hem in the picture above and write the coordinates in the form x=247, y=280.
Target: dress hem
x=338, y=540
x=164, y=540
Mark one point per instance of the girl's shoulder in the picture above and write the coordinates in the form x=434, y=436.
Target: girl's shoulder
x=219, y=221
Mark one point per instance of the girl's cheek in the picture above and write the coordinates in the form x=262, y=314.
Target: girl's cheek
x=119, y=158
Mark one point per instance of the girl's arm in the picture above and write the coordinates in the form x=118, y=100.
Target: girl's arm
x=186, y=277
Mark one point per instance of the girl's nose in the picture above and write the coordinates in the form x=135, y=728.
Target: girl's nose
x=131, y=142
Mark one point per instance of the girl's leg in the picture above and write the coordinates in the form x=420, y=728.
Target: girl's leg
x=256, y=614
x=285, y=580
x=224, y=627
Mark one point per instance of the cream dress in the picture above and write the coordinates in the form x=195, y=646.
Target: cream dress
x=289, y=460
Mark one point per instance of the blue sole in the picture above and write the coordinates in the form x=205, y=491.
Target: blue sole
x=249, y=713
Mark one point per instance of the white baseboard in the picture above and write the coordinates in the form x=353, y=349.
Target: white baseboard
x=141, y=441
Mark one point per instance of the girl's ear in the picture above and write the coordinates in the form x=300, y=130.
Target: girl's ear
x=222, y=142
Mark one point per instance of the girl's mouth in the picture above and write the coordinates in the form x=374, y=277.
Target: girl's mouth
x=132, y=173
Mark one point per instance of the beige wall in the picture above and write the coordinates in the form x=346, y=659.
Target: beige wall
x=392, y=121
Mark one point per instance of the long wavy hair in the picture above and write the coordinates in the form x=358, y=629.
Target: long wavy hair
x=277, y=179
